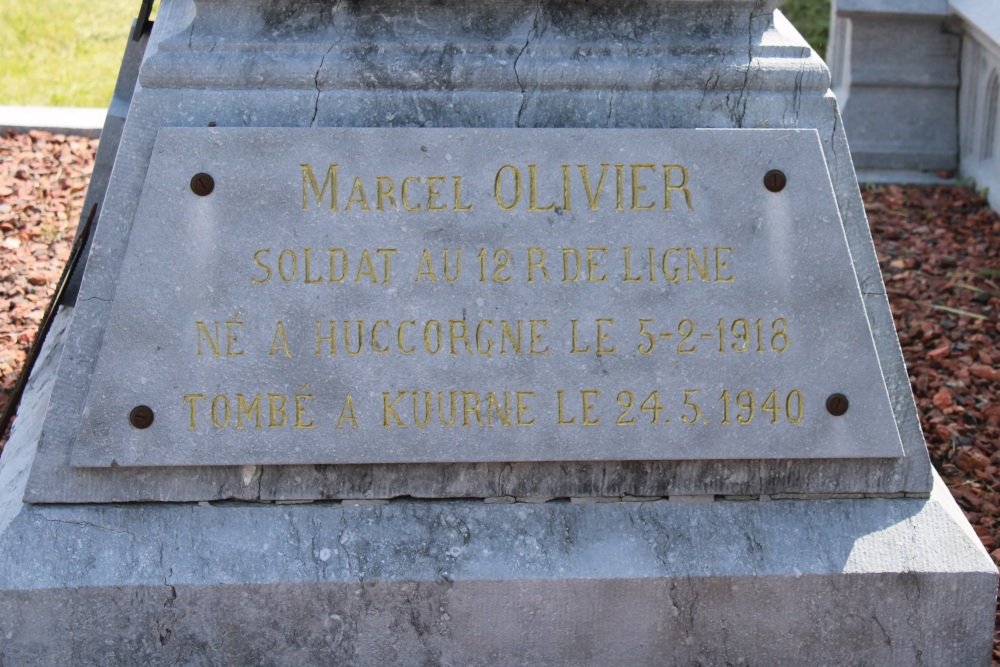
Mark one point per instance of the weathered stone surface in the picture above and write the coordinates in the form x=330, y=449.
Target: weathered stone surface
x=776, y=83
x=895, y=73
x=979, y=98
x=832, y=582
x=355, y=578
x=550, y=295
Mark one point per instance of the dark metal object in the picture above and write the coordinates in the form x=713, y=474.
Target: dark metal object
x=143, y=26
x=111, y=136
x=202, y=184
x=79, y=242
x=837, y=404
x=141, y=416
x=775, y=180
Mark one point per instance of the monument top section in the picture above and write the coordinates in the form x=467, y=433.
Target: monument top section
x=754, y=303
x=522, y=48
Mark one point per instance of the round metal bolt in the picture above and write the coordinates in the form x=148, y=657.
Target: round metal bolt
x=837, y=404
x=775, y=180
x=202, y=184
x=141, y=416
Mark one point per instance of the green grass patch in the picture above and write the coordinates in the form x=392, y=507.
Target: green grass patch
x=812, y=18
x=62, y=52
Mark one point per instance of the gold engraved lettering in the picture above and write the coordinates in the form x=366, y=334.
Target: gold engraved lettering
x=454, y=408
x=459, y=206
x=573, y=253
x=308, y=269
x=522, y=408
x=593, y=263
x=277, y=417
x=331, y=339
x=588, y=396
x=669, y=187
x=536, y=260
x=375, y=343
x=282, y=265
x=602, y=336
x=347, y=413
x=279, y=341
x=721, y=265
x=389, y=410
x=470, y=406
x=218, y=422
x=386, y=254
x=417, y=421
x=448, y=278
x=488, y=351
x=334, y=254
x=507, y=334
x=625, y=400
x=533, y=206
x=701, y=268
x=434, y=338
x=357, y=197
x=536, y=336
x=458, y=330
x=385, y=188
x=251, y=411
x=366, y=268
x=672, y=276
x=405, y=195
x=425, y=261
x=650, y=338
x=593, y=197
x=309, y=179
x=638, y=189
x=574, y=346
x=213, y=342
x=498, y=187
x=493, y=407
x=433, y=192
x=192, y=400
x=347, y=338
x=401, y=335
x=300, y=409
x=567, y=203
x=629, y=278
x=257, y=260
x=561, y=417
x=619, y=187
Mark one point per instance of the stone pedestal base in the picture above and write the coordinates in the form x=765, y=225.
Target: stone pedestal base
x=866, y=581
x=783, y=582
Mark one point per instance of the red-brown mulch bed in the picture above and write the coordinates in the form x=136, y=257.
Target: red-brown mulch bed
x=939, y=249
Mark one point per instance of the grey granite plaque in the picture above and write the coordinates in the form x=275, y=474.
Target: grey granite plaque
x=297, y=296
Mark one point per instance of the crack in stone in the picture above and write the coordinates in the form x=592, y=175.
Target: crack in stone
x=322, y=60
x=85, y=524
x=517, y=77
x=739, y=108
x=611, y=101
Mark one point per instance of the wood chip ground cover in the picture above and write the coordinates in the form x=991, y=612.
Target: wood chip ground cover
x=939, y=249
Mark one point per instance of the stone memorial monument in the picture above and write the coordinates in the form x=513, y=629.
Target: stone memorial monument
x=505, y=333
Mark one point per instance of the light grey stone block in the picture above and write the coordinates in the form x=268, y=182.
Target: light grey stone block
x=979, y=102
x=895, y=73
x=788, y=582
x=406, y=563
x=378, y=333
x=782, y=84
